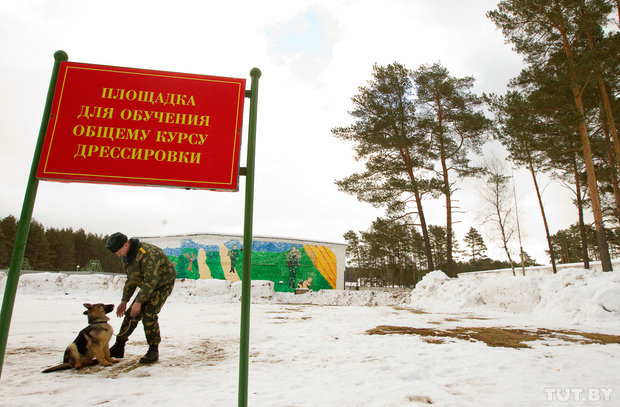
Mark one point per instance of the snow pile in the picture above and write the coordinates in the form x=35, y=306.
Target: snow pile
x=339, y=297
x=208, y=291
x=48, y=283
x=573, y=295
x=511, y=293
x=438, y=292
x=218, y=291
x=580, y=294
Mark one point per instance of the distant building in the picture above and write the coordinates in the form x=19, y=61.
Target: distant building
x=289, y=263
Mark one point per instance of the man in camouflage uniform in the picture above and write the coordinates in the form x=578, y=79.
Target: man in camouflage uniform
x=149, y=269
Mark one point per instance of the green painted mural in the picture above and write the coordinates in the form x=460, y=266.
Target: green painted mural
x=289, y=264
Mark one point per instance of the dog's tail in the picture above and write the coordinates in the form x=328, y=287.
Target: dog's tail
x=62, y=366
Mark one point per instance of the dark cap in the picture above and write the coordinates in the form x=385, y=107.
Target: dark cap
x=115, y=242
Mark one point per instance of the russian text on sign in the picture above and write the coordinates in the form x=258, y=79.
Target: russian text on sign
x=98, y=112
x=112, y=133
x=172, y=136
x=165, y=117
x=148, y=96
x=130, y=153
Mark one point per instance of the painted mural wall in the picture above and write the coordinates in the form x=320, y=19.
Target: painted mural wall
x=289, y=263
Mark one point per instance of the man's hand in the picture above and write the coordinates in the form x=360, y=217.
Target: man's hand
x=120, y=310
x=135, y=309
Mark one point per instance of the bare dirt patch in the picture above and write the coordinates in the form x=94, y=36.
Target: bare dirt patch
x=28, y=349
x=497, y=336
x=420, y=399
x=412, y=310
x=208, y=352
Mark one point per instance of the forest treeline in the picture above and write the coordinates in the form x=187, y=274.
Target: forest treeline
x=57, y=249
x=420, y=132
x=391, y=253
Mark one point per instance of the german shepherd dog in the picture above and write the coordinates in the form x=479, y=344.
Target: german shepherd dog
x=92, y=343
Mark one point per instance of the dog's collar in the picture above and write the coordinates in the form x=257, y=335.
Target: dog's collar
x=99, y=322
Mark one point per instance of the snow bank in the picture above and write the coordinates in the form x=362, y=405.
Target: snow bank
x=573, y=295
x=438, y=292
x=198, y=291
x=339, y=297
x=50, y=282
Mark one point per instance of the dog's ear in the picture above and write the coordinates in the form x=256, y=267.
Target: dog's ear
x=88, y=306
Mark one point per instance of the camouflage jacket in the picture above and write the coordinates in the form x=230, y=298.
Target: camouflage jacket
x=147, y=268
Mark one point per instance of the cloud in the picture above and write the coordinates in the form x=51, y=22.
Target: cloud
x=304, y=42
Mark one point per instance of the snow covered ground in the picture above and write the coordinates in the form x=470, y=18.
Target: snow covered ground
x=332, y=348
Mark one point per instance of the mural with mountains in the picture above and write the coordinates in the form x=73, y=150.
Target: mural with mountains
x=289, y=265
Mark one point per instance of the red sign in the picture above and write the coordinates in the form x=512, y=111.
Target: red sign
x=141, y=127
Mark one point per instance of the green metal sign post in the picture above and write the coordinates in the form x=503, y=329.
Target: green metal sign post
x=246, y=283
x=12, y=278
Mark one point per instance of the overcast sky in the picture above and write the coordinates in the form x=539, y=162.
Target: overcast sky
x=313, y=56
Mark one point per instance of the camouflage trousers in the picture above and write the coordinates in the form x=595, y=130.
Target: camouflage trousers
x=148, y=316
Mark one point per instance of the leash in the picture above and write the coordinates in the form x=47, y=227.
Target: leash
x=132, y=322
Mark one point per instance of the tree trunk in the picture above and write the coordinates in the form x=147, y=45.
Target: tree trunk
x=587, y=155
x=427, y=241
x=428, y=250
x=593, y=188
x=582, y=225
x=447, y=193
x=605, y=99
x=505, y=241
x=614, y=172
x=449, y=265
x=542, y=211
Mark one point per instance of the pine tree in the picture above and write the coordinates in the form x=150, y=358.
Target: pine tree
x=530, y=135
x=353, y=250
x=475, y=244
x=542, y=29
x=396, y=155
x=4, y=252
x=62, y=249
x=109, y=261
x=448, y=114
x=56, y=249
x=8, y=226
x=37, y=248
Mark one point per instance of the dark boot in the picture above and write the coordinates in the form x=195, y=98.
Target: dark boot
x=152, y=355
x=118, y=349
